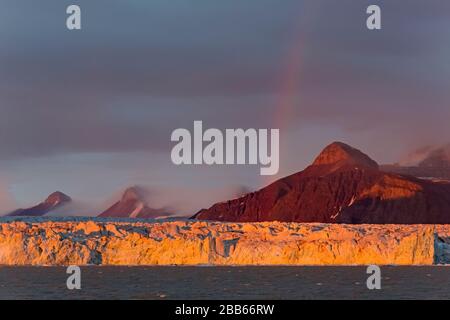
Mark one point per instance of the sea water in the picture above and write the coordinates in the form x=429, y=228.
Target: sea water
x=184, y=282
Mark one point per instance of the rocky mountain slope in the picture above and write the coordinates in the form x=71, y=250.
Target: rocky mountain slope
x=54, y=201
x=38, y=241
x=343, y=185
x=133, y=204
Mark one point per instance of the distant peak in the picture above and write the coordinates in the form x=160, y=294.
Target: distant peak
x=439, y=158
x=134, y=193
x=57, y=197
x=341, y=153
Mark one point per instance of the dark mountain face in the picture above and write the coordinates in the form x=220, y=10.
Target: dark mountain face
x=434, y=166
x=430, y=173
x=54, y=201
x=133, y=205
x=439, y=158
x=343, y=185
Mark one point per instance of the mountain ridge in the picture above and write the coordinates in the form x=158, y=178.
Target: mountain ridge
x=133, y=204
x=54, y=201
x=343, y=185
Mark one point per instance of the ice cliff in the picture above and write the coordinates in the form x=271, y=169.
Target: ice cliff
x=106, y=242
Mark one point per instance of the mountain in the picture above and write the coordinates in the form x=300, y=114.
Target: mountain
x=339, y=154
x=54, y=201
x=133, y=205
x=343, y=185
x=434, y=165
x=439, y=158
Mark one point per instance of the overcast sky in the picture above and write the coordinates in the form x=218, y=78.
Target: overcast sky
x=90, y=112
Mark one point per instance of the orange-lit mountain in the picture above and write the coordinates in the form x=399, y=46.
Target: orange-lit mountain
x=133, y=204
x=54, y=201
x=343, y=185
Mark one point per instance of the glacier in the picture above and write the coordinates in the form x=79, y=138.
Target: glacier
x=99, y=241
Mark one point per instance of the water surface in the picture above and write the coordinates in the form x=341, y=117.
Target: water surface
x=290, y=282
